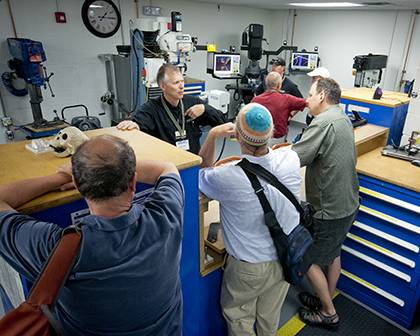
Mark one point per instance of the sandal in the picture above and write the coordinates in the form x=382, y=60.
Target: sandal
x=319, y=319
x=311, y=301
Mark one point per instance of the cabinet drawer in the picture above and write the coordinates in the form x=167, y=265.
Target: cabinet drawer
x=378, y=289
x=402, y=217
x=402, y=233
x=385, y=244
x=393, y=196
x=398, y=267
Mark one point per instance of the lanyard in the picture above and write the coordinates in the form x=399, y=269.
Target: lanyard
x=180, y=129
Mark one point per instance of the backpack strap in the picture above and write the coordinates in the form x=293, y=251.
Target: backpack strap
x=270, y=178
x=269, y=216
x=57, y=269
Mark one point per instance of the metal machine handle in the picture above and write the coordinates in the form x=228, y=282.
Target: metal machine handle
x=73, y=106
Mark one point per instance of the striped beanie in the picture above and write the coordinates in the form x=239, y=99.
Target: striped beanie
x=254, y=124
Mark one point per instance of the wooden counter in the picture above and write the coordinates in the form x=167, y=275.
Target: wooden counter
x=17, y=163
x=399, y=172
x=389, y=98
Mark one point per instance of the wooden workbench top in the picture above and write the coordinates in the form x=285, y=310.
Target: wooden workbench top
x=389, y=169
x=190, y=80
x=389, y=98
x=18, y=163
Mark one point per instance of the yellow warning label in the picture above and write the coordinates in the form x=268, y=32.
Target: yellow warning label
x=211, y=48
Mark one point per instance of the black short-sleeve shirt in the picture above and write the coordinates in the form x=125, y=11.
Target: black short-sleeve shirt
x=154, y=120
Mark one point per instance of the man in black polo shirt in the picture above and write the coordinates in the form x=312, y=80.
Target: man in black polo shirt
x=174, y=117
x=279, y=65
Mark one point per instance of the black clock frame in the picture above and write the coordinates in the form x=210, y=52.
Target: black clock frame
x=88, y=25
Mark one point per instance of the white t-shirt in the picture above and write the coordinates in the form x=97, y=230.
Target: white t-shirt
x=245, y=234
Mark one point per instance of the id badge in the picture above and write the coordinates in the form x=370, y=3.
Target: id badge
x=183, y=144
x=180, y=135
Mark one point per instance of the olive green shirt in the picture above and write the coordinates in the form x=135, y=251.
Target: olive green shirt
x=328, y=151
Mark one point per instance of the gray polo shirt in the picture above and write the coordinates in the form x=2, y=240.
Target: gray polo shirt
x=327, y=149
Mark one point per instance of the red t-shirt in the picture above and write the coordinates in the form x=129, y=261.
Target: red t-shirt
x=280, y=106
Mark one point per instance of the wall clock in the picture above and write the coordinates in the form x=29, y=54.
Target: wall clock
x=101, y=17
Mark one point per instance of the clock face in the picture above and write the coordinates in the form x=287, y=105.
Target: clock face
x=101, y=17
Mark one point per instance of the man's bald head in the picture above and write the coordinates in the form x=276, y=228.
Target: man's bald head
x=273, y=81
x=103, y=167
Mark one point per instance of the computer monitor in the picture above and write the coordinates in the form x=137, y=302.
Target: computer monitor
x=304, y=61
x=226, y=65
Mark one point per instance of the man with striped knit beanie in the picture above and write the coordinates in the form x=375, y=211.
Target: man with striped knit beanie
x=253, y=287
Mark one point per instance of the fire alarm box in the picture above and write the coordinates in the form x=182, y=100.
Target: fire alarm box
x=60, y=17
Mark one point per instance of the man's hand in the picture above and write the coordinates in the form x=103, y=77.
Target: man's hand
x=195, y=111
x=18, y=193
x=208, y=148
x=227, y=130
x=66, y=170
x=127, y=125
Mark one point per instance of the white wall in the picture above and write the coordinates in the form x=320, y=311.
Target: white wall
x=80, y=76
x=341, y=35
x=413, y=61
x=72, y=51
x=223, y=27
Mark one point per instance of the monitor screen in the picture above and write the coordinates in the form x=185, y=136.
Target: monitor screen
x=304, y=61
x=226, y=65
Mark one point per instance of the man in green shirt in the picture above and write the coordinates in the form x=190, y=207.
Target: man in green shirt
x=327, y=149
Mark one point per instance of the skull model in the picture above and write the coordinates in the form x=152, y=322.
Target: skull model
x=67, y=141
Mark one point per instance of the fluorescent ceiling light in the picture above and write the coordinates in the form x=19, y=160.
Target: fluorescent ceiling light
x=325, y=4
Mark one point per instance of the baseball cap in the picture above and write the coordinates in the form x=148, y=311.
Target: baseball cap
x=278, y=62
x=254, y=124
x=321, y=72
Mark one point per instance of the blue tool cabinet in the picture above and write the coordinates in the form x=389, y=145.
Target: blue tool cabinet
x=201, y=292
x=201, y=309
x=192, y=87
x=390, y=111
x=380, y=257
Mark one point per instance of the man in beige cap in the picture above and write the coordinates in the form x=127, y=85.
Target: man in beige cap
x=253, y=287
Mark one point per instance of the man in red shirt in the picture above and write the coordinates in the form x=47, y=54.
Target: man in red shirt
x=281, y=106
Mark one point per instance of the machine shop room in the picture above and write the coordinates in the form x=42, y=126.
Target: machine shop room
x=209, y=167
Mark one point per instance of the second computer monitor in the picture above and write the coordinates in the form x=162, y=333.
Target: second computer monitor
x=226, y=65
x=304, y=61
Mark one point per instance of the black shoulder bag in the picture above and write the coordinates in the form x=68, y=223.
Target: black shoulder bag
x=290, y=249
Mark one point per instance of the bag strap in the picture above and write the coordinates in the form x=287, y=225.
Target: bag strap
x=57, y=269
x=270, y=218
x=270, y=178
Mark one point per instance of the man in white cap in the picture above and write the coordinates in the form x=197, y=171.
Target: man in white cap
x=253, y=287
x=318, y=73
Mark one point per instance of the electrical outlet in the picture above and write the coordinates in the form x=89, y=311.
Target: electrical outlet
x=152, y=11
